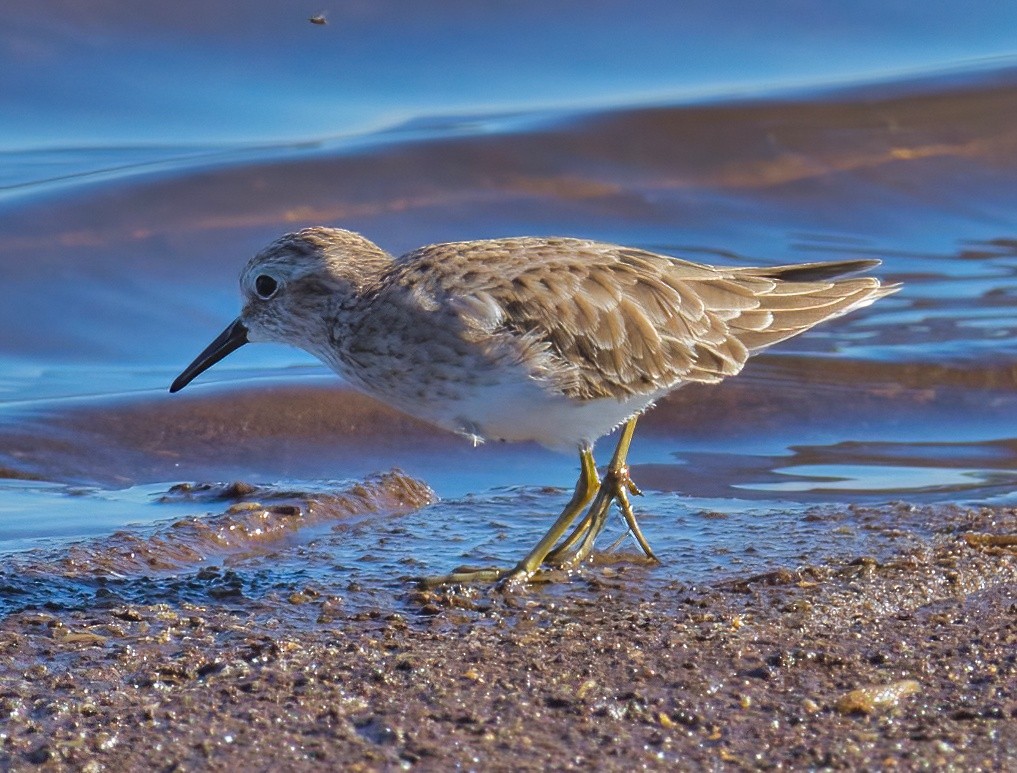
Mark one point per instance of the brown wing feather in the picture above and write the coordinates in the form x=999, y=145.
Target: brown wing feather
x=607, y=321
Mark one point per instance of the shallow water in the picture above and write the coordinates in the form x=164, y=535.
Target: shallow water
x=121, y=240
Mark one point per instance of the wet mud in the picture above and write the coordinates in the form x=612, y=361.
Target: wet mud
x=906, y=660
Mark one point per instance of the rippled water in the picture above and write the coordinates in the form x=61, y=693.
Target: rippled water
x=149, y=154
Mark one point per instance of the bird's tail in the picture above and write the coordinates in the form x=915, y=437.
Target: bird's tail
x=818, y=272
x=805, y=295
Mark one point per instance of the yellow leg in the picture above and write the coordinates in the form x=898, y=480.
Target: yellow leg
x=561, y=553
x=616, y=486
x=586, y=487
x=565, y=548
x=630, y=519
x=576, y=548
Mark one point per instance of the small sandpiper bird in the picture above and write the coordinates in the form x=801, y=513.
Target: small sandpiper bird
x=548, y=339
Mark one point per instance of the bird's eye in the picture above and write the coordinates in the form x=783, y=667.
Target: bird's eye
x=265, y=286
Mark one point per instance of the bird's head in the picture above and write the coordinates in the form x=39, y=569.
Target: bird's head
x=289, y=288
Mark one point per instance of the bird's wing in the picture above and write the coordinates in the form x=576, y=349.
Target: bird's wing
x=606, y=321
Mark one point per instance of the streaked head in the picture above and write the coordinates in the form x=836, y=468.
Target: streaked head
x=288, y=288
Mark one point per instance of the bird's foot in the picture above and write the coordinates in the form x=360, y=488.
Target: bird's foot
x=517, y=577
x=554, y=558
x=623, y=486
x=465, y=576
x=578, y=546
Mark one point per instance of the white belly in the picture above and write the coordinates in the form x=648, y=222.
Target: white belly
x=519, y=408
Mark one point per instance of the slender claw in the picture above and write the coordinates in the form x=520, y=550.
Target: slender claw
x=464, y=577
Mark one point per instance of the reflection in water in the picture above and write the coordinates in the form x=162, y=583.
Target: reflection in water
x=884, y=480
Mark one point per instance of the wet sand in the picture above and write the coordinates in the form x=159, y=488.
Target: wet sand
x=907, y=661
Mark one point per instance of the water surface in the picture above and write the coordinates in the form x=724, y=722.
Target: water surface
x=121, y=241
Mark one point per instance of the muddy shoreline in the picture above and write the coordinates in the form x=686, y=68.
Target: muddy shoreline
x=908, y=660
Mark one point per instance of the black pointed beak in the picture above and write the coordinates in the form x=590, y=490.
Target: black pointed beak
x=229, y=340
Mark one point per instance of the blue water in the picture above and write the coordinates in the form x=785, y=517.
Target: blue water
x=100, y=86
x=147, y=152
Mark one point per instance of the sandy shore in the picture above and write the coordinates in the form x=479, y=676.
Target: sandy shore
x=907, y=661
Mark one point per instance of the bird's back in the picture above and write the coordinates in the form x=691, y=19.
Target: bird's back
x=599, y=320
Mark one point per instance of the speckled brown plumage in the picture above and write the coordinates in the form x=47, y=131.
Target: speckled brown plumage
x=618, y=321
x=556, y=340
